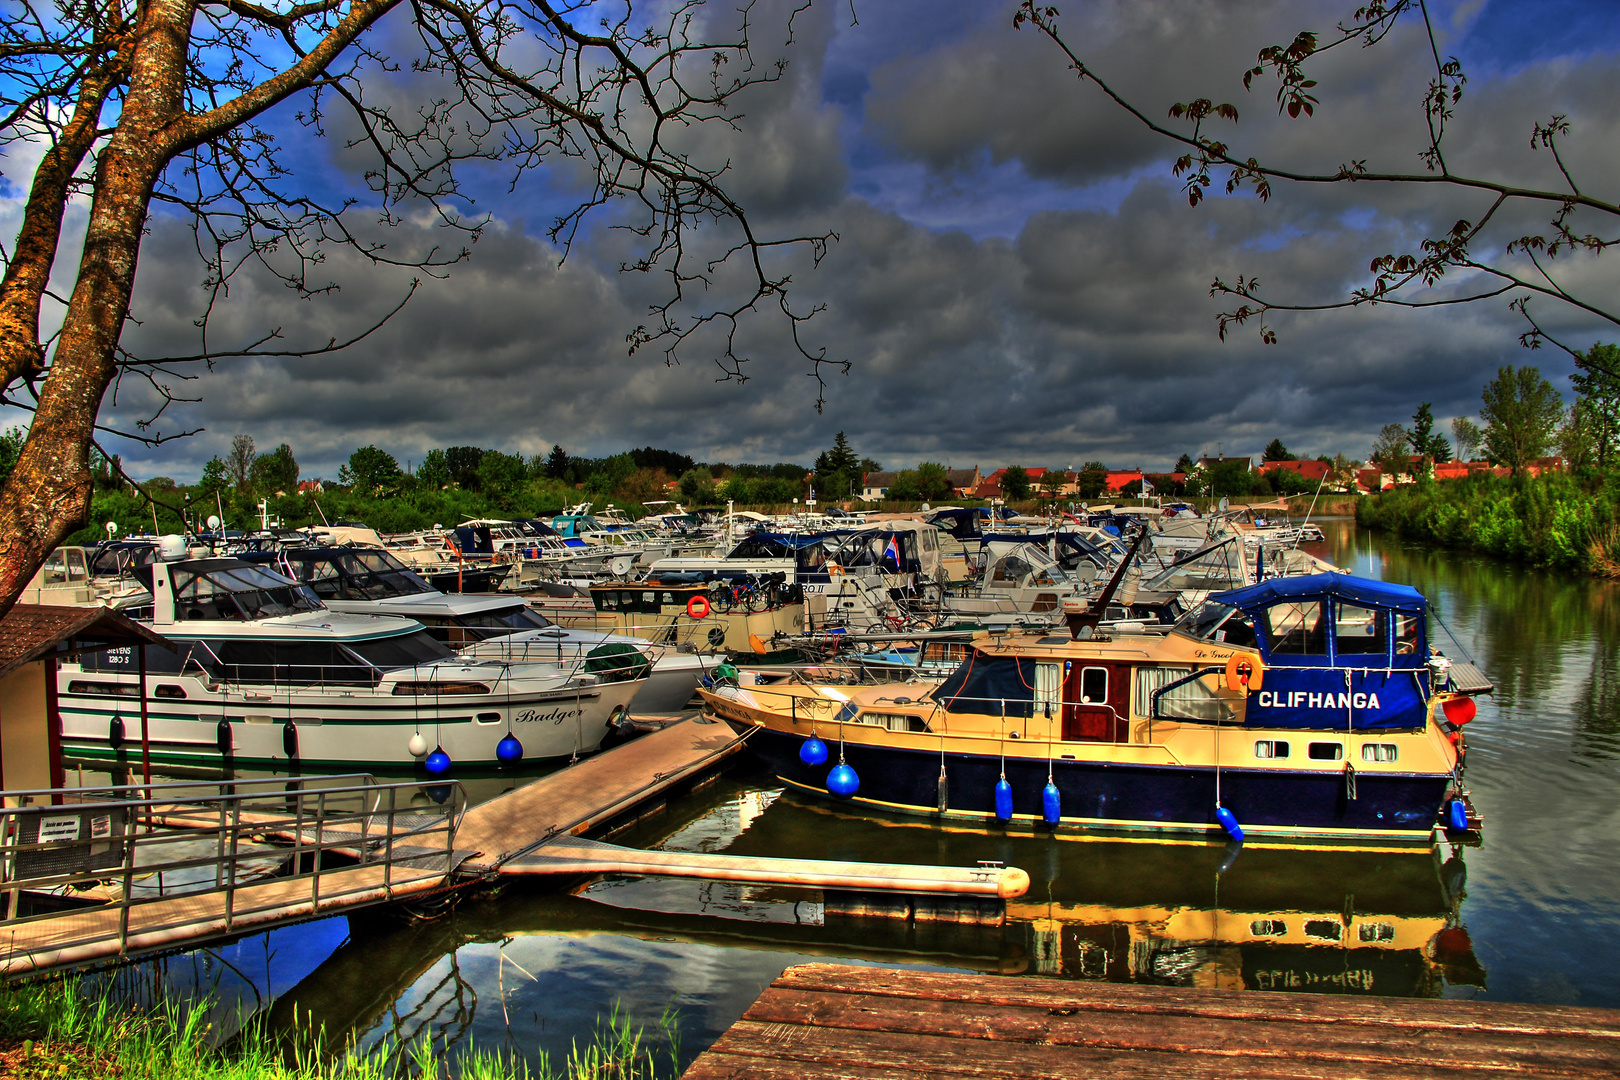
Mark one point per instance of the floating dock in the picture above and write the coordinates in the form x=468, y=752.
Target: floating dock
x=537, y=829
x=831, y=1020
x=602, y=791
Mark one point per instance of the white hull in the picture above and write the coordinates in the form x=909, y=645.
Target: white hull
x=335, y=726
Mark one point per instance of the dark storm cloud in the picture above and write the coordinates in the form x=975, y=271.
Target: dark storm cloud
x=1054, y=309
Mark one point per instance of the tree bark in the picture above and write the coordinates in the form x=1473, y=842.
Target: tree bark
x=29, y=271
x=48, y=494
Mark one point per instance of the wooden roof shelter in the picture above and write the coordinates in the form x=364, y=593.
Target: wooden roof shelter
x=33, y=637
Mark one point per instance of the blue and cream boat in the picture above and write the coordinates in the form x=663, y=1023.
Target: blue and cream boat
x=1298, y=709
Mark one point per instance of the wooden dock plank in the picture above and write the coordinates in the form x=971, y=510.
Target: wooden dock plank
x=1188, y=1034
x=92, y=934
x=825, y=1020
x=764, y=1051
x=594, y=790
x=1174, y=1001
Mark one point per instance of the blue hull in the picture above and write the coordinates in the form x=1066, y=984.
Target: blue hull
x=1269, y=804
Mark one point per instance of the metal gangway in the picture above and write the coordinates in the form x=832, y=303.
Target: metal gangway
x=97, y=875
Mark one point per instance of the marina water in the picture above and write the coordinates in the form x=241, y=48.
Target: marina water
x=1532, y=915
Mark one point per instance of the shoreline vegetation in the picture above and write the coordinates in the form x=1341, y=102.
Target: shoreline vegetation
x=1554, y=520
x=50, y=1030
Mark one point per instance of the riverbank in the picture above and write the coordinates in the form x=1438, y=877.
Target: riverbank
x=1554, y=520
x=53, y=1031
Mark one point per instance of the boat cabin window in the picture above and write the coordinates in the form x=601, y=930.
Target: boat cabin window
x=1381, y=751
x=1093, y=686
x=1296, y=629
x=893, y=721
x=239, y=592
x=1270, y=748
x=1326, y=751
x=290, y=663
x=1358, y=630
x=1009, y=571
x=1048, y=689
x=401, y=650
x=1406, y=634
x=1194, y=699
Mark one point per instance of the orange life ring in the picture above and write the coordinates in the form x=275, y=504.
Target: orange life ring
x=834, y=570
x=1245, y=672
x=698, y=607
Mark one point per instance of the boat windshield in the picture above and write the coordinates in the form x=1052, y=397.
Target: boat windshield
x=401, y=650
x=238, y=592
x=762, y=547
x=111, y=560
x=501, y=622
x=1218, y=622
x=360, y=575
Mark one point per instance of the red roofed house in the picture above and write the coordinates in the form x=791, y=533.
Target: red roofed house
x=1118, y=479
x=1314, y=471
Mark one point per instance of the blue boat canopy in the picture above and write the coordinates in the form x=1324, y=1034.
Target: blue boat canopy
x=1357, y=590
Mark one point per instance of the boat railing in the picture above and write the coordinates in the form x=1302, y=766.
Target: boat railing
x=131, y=850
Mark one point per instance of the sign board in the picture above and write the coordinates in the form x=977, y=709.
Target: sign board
x=81, y=840
x=55, y=829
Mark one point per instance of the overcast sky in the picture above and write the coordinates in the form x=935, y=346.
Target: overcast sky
x=1018, y=278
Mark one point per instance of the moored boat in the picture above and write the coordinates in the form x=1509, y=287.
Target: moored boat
x=262, y=672
x=1298, y=709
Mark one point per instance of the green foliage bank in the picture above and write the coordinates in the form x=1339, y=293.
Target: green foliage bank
x=1554, y=520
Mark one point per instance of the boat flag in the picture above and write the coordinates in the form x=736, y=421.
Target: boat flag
x=893, y=551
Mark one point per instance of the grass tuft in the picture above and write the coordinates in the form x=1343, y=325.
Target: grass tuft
x=51, y=1031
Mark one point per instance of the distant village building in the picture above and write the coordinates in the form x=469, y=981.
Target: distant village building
x=875, y=485
x=1207, y=462
x=964, y=482
x=1314, y=471
x=1120, y=479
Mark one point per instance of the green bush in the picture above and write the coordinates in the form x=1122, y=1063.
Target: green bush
x=1555, y=520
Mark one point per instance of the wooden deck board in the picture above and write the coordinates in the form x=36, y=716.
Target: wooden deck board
x=592, y=791
x=92, y=934
x=825, y=1020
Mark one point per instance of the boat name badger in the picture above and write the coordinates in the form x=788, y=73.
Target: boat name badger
x=1295, y=699
x=555, y=716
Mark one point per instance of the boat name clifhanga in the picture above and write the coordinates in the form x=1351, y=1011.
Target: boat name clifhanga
x=1303, y=699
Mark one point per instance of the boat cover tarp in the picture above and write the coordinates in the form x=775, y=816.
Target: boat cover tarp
x=990, y=686
x=1357, y=590
x=617, y=661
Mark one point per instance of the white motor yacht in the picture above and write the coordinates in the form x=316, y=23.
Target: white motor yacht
x=262, y=672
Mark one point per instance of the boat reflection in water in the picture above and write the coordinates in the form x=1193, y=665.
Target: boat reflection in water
x=536, y=968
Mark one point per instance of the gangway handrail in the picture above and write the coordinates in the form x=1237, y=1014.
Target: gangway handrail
x=101, y=848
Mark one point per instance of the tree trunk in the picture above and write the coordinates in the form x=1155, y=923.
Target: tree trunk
x=48, y=495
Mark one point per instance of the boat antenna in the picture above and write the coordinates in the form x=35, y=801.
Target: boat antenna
x=1298, y=532
x=328, y=524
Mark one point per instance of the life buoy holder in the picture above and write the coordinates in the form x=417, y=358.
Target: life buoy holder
x=1245, y=673
x=698, y=607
